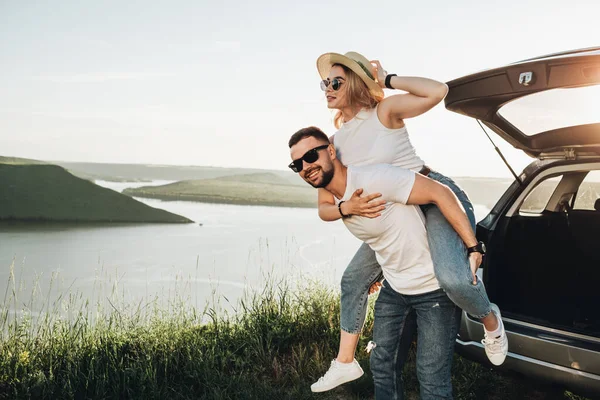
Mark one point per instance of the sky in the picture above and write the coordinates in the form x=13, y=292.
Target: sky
x=226, y=83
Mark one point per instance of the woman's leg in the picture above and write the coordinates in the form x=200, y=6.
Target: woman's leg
x=360, y=274
x=452, y=269
x=449, y=256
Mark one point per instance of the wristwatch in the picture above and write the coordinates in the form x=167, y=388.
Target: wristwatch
x=478, y=248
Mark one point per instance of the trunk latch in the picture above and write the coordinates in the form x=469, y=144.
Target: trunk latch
x=526, y=78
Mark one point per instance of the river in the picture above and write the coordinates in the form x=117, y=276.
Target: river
x=227, y=249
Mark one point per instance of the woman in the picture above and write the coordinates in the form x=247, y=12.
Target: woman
x=371, y=130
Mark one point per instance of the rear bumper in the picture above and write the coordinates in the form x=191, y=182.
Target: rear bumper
x=470, y=347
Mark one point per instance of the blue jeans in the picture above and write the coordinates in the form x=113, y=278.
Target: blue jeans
x=450, y=262
x=437, y=325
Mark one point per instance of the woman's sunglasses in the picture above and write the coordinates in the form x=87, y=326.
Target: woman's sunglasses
x=335, y=84
x=310, y=157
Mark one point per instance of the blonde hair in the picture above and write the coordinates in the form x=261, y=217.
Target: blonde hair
x=357, y=94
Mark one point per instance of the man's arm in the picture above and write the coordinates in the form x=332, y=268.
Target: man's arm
x=407, y=187
x=427, y=191
x=368, y=206
x=328, y=211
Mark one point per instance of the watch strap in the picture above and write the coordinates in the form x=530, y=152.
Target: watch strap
x=478, y=248
x=388, y=79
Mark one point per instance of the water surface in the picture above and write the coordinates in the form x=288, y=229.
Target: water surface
x=227, y=248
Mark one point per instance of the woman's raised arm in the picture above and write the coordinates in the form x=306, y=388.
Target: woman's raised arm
x=422, y=94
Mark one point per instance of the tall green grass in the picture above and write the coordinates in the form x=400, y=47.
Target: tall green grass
x=272, y=344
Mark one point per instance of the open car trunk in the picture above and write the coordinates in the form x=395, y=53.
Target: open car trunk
x=542, y=267
x=546, y=106
x=545, y=269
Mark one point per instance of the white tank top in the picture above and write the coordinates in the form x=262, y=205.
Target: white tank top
x=364, y=140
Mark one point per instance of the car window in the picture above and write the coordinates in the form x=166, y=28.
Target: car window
x=589, y=192
x=553, y=109
x=538, y=198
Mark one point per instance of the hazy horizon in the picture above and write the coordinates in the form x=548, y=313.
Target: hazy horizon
x=215, y=166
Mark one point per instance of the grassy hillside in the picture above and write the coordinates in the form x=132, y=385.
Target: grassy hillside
x=20, y=161
x=49, y=193
x=267, y=189
x=272, y=189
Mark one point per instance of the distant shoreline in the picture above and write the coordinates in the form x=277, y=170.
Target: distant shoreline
x=219, y=200
x=28, y=221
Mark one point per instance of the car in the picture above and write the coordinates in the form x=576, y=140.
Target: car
x=542, y=265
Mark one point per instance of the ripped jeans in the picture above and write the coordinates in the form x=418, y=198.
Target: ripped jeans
x=450, y=262
x=437, y=321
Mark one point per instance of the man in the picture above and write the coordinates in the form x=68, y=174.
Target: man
x=399, y=239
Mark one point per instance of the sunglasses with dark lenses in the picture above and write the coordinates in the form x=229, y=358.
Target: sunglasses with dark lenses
x=310, y=157
x=335, y=84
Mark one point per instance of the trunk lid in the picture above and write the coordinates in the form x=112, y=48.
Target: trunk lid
x=548, y=106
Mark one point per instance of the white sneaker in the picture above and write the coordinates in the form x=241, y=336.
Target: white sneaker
x=337, y=374
x=496, y=348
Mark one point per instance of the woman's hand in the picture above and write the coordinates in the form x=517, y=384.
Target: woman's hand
x=475, y=259
x=364, y=206
x=374, y=288
x=380, y=73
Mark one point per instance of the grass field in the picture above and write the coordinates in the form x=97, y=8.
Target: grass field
x=277, y=341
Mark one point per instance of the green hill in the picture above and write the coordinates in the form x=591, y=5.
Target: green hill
x=20, y=161
x=268, y=178
x=274, y=189
x=264, y=188
x=49, y=193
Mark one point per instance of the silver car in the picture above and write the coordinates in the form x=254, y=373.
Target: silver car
x=542, y=265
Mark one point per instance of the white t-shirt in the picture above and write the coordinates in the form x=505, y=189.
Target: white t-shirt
x=364, y=140
x=398, y=236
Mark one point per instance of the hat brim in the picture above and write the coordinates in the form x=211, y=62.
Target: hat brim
x=327, y=60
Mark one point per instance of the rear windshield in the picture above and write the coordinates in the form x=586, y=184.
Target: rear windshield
x=553, y=109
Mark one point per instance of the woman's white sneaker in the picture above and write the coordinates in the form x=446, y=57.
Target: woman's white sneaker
x=337, y=374
x=496, y=347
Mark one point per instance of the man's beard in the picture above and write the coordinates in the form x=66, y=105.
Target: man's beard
x=327, y=177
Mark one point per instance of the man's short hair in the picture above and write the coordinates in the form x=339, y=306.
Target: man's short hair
x=311, y=131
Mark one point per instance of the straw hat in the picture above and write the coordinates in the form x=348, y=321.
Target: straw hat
x=356, y=62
